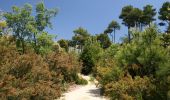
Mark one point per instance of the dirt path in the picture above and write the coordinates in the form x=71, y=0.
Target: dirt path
x=87, y=92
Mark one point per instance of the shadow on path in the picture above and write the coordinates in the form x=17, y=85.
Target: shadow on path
x=95, y=92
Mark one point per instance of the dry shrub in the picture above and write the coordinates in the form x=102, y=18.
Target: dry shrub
x=107, y=71
x=64, y=64
x=30, y=76
x=128, y=88
x=42, y=90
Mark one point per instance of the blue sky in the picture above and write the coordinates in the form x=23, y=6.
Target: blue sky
x=93, y=15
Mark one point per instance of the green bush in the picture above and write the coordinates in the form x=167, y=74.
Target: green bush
x=90, y=55
x=143, y=55
x=106, y=75
x=106, y=69
x=81, y=81
x=136, y=71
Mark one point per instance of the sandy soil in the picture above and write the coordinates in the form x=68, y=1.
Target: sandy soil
x=87, y=92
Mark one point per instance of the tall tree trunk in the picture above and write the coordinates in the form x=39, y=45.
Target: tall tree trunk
x=168, y=30
x=149, y=24
x=136, y=25
x=141, y=27
x=111, y=37
x=129, y=34
x=114, y=35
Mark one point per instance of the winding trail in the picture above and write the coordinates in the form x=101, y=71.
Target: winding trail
x=87, y=92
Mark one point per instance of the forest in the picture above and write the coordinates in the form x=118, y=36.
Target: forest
x=33, y=66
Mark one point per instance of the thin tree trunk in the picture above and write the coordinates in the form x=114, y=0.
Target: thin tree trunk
x=150, y=24
x=141, y=27
x=136, y=25
x=168, y=30
x=128, y=34
x=114, y=35
x=111, y=37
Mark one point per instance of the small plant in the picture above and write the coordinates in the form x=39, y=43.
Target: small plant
x=81, y=81
x=91, y=79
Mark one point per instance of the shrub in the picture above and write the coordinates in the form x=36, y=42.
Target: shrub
x=65, y=64
x=129, y=89
x=89, y=56
x=106, y=68
x=163, y=81
x=27, y=76
x=81, y=81
x=107, y=74
x=144, y=55
x=136, y=71
x=64, y=44
x=30, y=76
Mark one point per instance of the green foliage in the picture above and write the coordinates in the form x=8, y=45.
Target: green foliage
x=112, y=27
x=26, y=27
x=90, y=55
x=163, y=77
x=106, y=68
x=3, y=25
x=108, y=73
x=164, y=14
x=81, y=81
x=44, y=16
x=45, y=42
x=135, y=17
x=112, y=51
x=125, y=16
x=104, y=40
x=164, y=11
x=64, y=44
x=136, y=71
x=81, y=35
x=19, y=20
x=148, y=14
x=144, y=55
x=165, y=40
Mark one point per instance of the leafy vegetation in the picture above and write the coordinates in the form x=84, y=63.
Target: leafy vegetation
x=35, y=67
x=113, y=26
x=90, y=56
x=31, y=65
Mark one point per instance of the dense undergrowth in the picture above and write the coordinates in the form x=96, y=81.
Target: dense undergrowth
x=34, y=77
x=32, y=65
x=35, y=67
x=136, y=71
